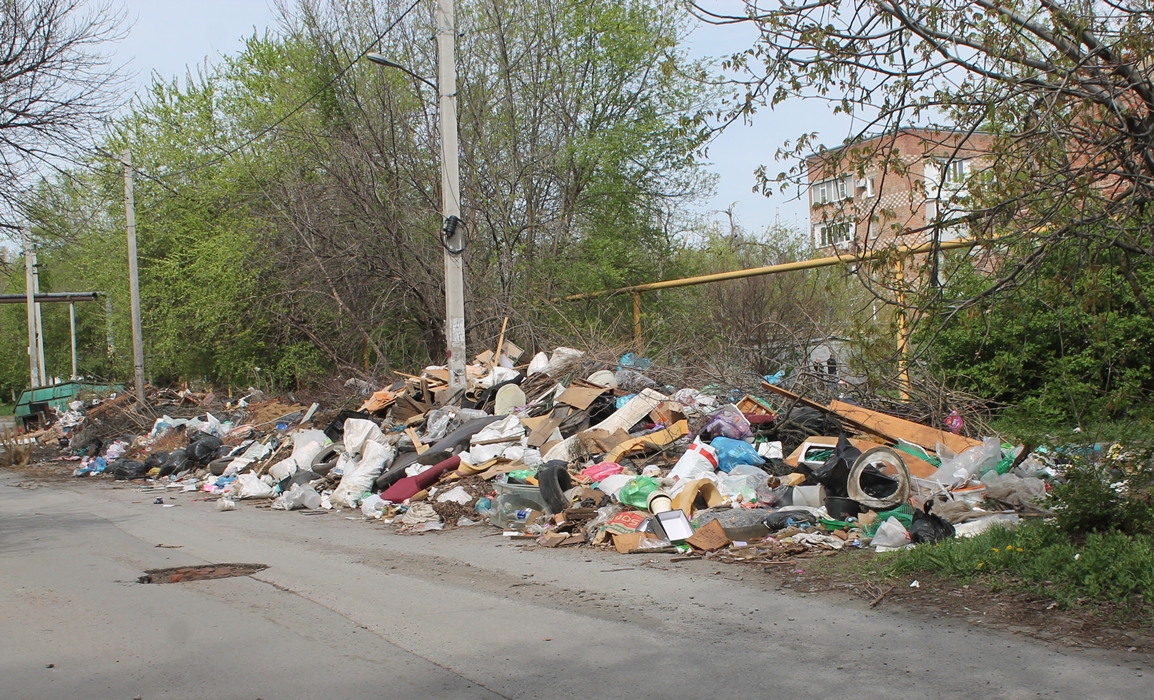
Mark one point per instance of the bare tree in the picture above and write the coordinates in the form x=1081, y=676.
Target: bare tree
x=56, y=82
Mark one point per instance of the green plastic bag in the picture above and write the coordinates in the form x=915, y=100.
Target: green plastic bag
x=636, y=492
x=904, y=514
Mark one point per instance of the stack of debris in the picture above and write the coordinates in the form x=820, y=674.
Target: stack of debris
x=570, y=450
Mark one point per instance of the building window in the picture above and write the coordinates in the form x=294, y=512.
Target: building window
x=870, y=190
x=832, y=233
x=833, y=190
x=954, y=171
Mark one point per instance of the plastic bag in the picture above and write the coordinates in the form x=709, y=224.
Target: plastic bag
x=298, y=497
x=612, y=485
x=374, y=507
x=359, y=431
x=632, y=380
x=456, y=495
x=960, y=468
x=699, y=459
x=892, y=534
x=744, y=481
x=1014, y=490
x=359, y=479
x=510, y=427
x=597, y=472
x=726, y=422
x=437, y=425
x=636, y=492
x=223, y=504
x=731, y=453
x=538, y=364
x=249, y=485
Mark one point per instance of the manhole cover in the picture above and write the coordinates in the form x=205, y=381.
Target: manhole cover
x=199, y=573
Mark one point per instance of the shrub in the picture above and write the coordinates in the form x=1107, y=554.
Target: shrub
x=1114, y=493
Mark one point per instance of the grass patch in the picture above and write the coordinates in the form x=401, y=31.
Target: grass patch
x=1105, y=568
x=7, y=409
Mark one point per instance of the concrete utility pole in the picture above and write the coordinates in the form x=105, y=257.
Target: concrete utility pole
x=72, y=328
x=452, y=234
x=34, y=369
x=133, y=278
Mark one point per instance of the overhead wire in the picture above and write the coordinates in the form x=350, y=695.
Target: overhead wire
x=216, y=160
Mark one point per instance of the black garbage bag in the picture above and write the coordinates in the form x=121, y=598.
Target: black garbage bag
x=203, y=450
x=877, y=484
x=834, y=473
x=128, y=469
x=928, y=527
x=781, y=519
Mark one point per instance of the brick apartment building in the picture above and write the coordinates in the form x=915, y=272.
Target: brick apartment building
x=889, y=188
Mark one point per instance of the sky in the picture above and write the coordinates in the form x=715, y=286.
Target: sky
x=169, y=37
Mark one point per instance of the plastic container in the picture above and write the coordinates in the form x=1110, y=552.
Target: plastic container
x=511, y=498
x=842, y=508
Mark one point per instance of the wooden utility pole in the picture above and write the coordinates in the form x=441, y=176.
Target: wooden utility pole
x=133, y=278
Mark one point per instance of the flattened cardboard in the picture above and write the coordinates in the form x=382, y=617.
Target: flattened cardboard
x=544, y=431
x=625, y=522
x=709, y=537
x=654, y=441
x=630, y=541
x=601, y=441
x=580, y=397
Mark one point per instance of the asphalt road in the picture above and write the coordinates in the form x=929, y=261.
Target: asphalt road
x=348, y=609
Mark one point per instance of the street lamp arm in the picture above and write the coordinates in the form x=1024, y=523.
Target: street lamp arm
x=388, y=63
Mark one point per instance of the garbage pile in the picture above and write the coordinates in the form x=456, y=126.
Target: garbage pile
x=571, y=451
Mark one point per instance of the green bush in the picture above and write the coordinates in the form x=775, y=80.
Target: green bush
x=1114, y=493
x=1070, y=346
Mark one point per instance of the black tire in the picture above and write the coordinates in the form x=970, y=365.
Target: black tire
x=554, y=481
x=327, y=458
x=396, y=472
x=217, y=466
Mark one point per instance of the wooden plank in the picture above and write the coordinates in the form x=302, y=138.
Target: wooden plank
x=417, y=444
x=895, y=428
x=814, y=404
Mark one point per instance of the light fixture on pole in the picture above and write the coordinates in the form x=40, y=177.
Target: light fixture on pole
x=452, y=233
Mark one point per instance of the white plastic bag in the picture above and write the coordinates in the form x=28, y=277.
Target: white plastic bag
x=698, y=460
x=249, y=485
x=510, y=427
x=891, y=535
x=307, y=444
x=561, y=357
x=743, y=480
x=359, y=431
x=374, y=507
x=360, y=478
x=969, y=464
x=456, y=495
x=1014, y=490
x=499, y=375
x=538, y=364
x=298, y=497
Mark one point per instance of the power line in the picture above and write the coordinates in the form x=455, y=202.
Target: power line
x=340, y=74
